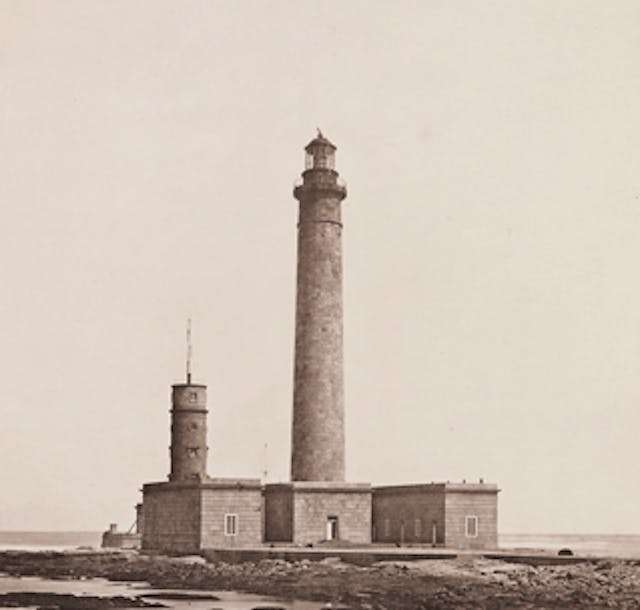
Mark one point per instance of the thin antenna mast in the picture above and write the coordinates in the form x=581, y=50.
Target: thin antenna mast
x=265, y=468
x=189, y=351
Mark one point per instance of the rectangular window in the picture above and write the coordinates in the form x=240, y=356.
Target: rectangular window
x=471, y=527
x=230, y=525
x=387, y=527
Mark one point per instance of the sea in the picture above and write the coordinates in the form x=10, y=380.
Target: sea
x=67, y=541
x=48, y=541
x=599, y=545
x=625, y=546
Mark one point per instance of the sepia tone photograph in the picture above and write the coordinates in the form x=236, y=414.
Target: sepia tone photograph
x=319, y=305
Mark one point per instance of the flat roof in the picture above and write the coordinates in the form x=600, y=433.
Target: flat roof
x=208, y=483
x=438, y=488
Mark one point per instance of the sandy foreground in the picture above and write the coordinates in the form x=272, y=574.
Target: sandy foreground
x=466, y=582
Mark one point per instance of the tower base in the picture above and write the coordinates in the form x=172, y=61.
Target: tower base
x=316, y=512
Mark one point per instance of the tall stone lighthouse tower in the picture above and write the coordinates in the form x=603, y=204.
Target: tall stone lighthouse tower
x=318, y=504
x=318, y=396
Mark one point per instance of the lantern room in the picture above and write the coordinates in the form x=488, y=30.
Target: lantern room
x=320, y=153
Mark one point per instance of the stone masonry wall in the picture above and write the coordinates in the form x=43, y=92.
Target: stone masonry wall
x=484, y=505
x=171, y=518
x=245, y=503
x=311, y=510
x=188, y=433
x=318, y=401
x=278, y=509
x=408, y=515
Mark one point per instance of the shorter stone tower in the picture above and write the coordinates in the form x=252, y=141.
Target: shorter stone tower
x=188, y=427
x=188, y=432
x=193, y=511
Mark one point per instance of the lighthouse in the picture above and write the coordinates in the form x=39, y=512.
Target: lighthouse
x=318, y=504
x=318, y=440
x=192, y=511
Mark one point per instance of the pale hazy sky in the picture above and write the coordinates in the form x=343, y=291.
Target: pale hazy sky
x=492, y=239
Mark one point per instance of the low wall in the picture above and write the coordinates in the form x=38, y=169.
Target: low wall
x=362, y=557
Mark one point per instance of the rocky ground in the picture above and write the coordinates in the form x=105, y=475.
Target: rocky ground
x=465, y=582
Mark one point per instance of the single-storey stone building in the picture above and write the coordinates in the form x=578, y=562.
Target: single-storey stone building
x=458, y=515
x=310, y=512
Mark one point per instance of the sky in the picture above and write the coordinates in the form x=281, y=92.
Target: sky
x=491, y=150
